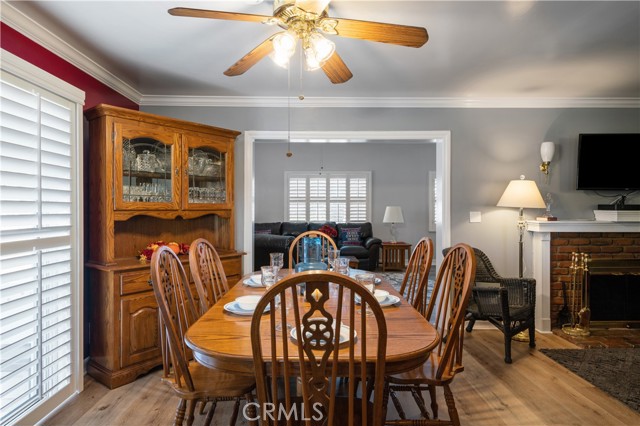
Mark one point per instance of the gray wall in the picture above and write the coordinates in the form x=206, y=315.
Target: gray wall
x=399, y=175
x=489, y=147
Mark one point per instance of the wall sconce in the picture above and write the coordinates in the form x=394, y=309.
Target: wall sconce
x=547, y=149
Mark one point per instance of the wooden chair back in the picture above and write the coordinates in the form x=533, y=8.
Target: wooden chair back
x=177, y=312
x=280, y=359
x=416, y=278
x=447, y=307
x=295, y=252
x=207, y=272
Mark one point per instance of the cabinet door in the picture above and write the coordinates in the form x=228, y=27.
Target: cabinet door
x=146, y=167
x=207, y=173
x=140, y=340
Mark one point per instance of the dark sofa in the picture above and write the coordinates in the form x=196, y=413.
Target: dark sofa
x=353, y=239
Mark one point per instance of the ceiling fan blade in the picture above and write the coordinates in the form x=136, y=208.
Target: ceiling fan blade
x=215, y=14
x=403, y=35
x=251, y=58
x=313, y=6
x=336, y=69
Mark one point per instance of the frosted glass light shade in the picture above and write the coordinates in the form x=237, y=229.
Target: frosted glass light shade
x=547, y=149
x=522, y=194
x=317, y=50
x=393, y=214
x=284, y=46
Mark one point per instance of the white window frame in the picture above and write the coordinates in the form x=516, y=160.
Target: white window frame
x=327, y=200
x=21, y=73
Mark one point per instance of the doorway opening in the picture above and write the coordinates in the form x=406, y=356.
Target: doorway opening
x=442, y=139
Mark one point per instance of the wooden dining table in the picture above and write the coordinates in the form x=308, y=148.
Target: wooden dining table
x=220, y=339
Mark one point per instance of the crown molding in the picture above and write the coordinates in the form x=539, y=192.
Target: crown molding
x=379, y=102
x=45, y=38
x=36, y=32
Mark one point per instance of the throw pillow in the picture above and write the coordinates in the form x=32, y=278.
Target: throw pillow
x=350, y=237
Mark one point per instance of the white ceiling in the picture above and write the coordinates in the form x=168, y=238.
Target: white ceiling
x=476, y=49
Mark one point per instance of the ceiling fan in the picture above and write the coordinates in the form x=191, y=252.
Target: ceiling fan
x=307, y=21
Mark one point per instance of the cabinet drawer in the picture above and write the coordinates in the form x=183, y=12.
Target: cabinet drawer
x=135, y=282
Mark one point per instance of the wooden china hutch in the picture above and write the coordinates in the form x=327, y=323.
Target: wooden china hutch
x=151, y=178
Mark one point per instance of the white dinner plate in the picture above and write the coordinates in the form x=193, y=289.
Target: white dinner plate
x=388, y=301
x=254, y=281
x=234, y=308
x=344, y=334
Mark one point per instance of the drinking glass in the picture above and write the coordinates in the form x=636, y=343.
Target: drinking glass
x=277, y=262
x=268, y=276
x=368, y=282
x=342, y=265
x=332, y=255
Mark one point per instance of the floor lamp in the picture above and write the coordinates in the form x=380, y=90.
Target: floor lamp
x=523, y=194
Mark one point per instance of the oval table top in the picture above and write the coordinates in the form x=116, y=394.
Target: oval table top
x=220, y=339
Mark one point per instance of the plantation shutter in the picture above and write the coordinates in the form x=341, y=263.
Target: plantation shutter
x=297, y=210
x=332, y=196
x=39, y=279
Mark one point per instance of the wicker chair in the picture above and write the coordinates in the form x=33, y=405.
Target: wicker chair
x=281, y=361
x=447, y=304
x=509, y=305
x=416, y=277
x=191, y=382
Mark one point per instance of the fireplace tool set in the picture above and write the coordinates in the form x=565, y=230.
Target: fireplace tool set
x=580, y=314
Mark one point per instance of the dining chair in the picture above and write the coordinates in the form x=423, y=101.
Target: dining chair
x=207, y=272
x=295, y=252
x=416, y=277
x=192, y=382
x=282, y=359
x=448, y=302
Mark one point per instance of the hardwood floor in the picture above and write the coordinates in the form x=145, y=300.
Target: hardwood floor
x=532, y=391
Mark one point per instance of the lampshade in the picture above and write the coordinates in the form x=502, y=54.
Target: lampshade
x=522, y=194
x=547, y=149
x=393, y=214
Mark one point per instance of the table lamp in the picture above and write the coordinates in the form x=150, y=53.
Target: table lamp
x=523, y=194
x=393, y=215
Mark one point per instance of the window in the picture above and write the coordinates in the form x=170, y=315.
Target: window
x=330, y=196
x=40, y=242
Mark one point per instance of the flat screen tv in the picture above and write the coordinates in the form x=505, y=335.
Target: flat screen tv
x=608, y=161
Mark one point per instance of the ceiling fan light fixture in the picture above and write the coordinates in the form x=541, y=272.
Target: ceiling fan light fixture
x=284, y=43
x=279, y=59
x=317, y=50
x=284, y=46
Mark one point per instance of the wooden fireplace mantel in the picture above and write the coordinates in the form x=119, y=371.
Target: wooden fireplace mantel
x=541, y=252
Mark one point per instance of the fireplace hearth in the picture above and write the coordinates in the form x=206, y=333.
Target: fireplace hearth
x=552, y=244
x=614, y=293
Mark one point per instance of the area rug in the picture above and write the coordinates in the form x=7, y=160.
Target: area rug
x=615, y=371
x=395, y=278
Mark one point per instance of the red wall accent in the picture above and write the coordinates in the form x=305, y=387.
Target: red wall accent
x=96, y=92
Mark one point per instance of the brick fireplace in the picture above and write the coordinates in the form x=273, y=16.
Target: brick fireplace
x=553, y=243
